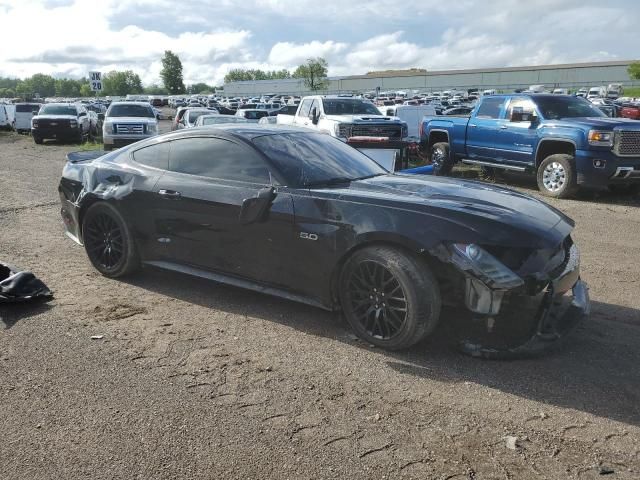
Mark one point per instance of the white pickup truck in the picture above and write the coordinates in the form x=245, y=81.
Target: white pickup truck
x=357, y=122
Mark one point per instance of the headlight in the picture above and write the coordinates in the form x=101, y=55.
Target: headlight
x=152, y=128
x=600, y=138
x=471, y=257
x=34, y=123
x=336, y=129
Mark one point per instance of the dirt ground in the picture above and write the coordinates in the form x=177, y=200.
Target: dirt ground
x=195, y=380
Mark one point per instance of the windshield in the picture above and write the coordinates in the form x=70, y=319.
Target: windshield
x=314, y=159
x=194, y=114
x=255, y=114
x=343, y=106
x=553, y=108
x=28, y=107
x=130, y=111
x=217, y=119
x=58, y=110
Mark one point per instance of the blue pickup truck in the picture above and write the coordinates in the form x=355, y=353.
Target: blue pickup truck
x=565, y=140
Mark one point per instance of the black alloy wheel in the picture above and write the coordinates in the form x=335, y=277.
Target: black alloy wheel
x=389, y=296
x=104, y=241
x=377, y=300
x=108, y=242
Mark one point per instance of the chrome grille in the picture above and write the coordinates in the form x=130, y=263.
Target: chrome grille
x=129, y=128
x=391, y=131
x=627, y=143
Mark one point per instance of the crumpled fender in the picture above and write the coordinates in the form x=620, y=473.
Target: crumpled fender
x=21, y=286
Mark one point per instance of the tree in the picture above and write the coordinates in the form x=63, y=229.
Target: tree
x=44, y=85
x=243, y=75
x=200, y=88
x=155, y=90
x=66, y=87
x=7, y=93
x=121, y=83
x=314, y=73
x=634, y=70
x=171, y=73
x=85, y=90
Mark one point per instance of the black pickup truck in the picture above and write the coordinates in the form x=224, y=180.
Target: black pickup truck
x=61, y=121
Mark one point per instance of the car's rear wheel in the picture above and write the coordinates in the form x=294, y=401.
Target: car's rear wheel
x=390, y=298
x=557, y=176
x=108, y=241
x=440, y=158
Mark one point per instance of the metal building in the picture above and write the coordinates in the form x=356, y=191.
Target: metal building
x=571, y=75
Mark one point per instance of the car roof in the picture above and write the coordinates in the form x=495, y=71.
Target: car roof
x=144, y=104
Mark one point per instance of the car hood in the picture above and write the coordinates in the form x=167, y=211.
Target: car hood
x=55, y=117
x=487, y=214
x=130, y=120
x=600, y=122
x=362, y=119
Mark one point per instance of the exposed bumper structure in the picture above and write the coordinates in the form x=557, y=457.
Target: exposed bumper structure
x=524, y=320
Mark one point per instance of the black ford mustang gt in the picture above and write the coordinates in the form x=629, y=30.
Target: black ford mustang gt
x=304, y=216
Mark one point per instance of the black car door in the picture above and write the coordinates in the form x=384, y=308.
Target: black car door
x=201, y=198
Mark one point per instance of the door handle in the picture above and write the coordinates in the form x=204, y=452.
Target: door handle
x=503, y=127
x=473, y=125
x=169, y=193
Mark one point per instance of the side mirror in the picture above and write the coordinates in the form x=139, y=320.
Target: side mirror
x=257, y=208
x=158, y=116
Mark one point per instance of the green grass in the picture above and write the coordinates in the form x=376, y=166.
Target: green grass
x=90, y=146
x=631, y=92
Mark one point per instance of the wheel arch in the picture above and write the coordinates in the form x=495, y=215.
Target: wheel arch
x=438, y=135
x=553, y=146
x=377, y=239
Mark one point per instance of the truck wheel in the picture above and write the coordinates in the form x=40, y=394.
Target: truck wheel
x=557, y=176
x=440, y=158
x=37, y=139
x=390, y=298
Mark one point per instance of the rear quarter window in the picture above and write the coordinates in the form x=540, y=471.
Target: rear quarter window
x=156, y=156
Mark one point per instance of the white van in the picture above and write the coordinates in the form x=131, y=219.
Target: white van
x=597, y=92
x=6, y=116
x=412, y=115
x=614, y=90
x=24, y=113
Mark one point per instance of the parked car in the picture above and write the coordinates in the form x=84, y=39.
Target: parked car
x=7, y=120
x=190, y=116
x=301, y=215
x=630, y=110
x=565, y=140
x=204, y=120
x=561, y=91
x=61, y=121
x=24, y=113
x=252, y=114
x=597, y=92
x=583, y=92
x=358, y=122
x=128, y=122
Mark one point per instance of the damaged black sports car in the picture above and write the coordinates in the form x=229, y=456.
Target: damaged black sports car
x=304, y=216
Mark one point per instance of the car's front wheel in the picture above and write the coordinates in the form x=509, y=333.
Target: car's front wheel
x=108, y=241
x=389, y=297
x=557, y=176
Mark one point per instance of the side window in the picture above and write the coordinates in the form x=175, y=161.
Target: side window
x=490, y=107
x=217, y=158
x=523, y=108
x=156, y=156
x=305, y=108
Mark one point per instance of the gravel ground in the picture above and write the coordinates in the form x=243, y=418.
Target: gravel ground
x=196, y=380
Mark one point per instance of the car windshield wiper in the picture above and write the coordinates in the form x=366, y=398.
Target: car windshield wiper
x=329, y=182
x=370, y=176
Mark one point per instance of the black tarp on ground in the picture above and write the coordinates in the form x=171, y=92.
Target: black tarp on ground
x=20, y=286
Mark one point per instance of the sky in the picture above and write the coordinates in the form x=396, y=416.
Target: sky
x=68, y=38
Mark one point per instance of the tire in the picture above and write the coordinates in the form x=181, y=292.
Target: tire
x=390, y=298
x=108, y=241
x=440, y=158
x=37, y=139
x=557, y=176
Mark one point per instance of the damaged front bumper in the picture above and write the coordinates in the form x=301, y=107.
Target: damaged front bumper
x=524, y=319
